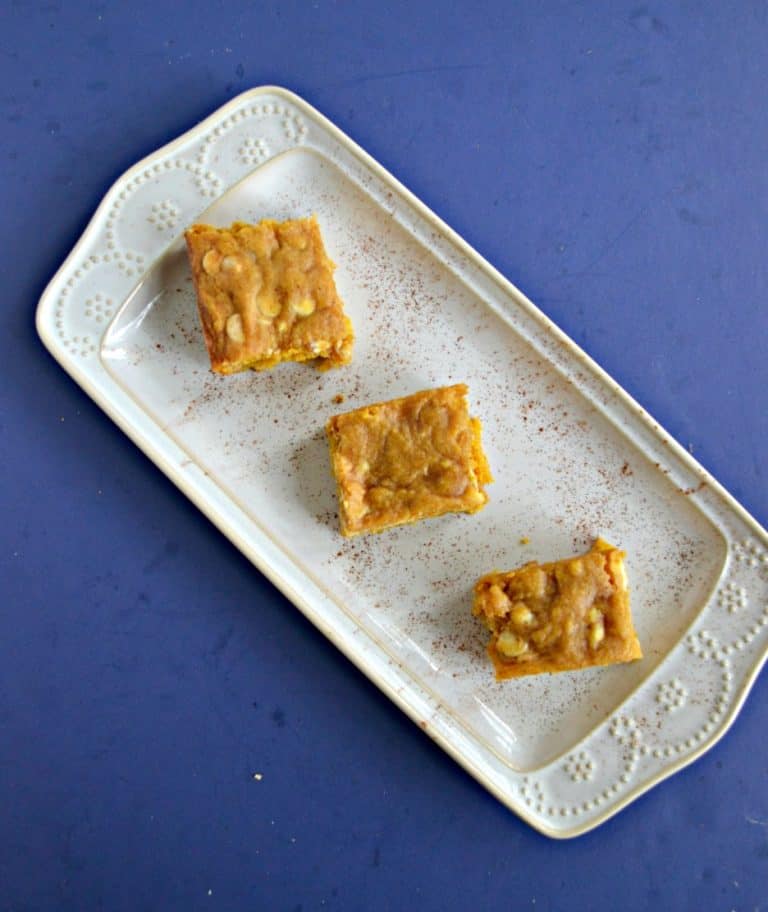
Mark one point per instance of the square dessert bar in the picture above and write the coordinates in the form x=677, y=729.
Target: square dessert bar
x=400, y=461
x=562, y=616
x=266, y=294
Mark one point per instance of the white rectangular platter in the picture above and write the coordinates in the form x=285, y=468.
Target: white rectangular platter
x=573, y=456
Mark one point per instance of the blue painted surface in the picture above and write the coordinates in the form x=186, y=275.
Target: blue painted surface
x=610, y=158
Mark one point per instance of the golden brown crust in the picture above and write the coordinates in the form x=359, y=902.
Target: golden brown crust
x=407, y=459
x=562, y=616
x=266, y=294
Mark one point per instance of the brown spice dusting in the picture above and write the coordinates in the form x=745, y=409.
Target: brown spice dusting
x=438, y=561
x=689, y=491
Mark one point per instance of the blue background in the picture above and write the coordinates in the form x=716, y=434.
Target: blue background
x=612, y=160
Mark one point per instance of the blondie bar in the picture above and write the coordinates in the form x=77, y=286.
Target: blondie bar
x=408, y=459
x=561, y=616
x=266, y=294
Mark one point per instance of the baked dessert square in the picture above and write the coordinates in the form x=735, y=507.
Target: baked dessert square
x=408, y=459
x=266, y=294
x=561, y=616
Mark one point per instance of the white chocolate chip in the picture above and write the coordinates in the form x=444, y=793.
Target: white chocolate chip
x=594, y=615
x=303, y=306
x=499, y=602
x=511, y=645
x=596, y=634
x=235, y=328
x=211, y=261
x=538, y=582
x=231, y=264
x=521, y=614
x=269, y=306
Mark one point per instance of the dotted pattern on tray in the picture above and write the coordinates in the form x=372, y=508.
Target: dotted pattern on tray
x=671, y=695
x=580, y=767
x=119, y=266
x=641, y=745
x=165, y=216
x=254, y=151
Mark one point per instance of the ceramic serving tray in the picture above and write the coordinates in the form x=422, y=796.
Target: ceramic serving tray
x=573, y=455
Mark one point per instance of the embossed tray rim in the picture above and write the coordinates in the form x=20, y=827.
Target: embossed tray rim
x=92, y=376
